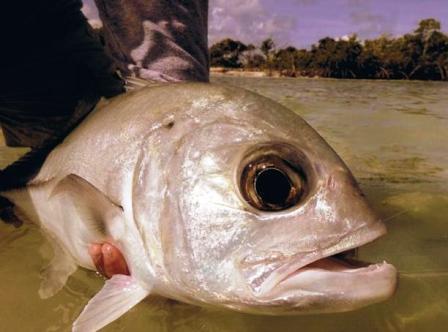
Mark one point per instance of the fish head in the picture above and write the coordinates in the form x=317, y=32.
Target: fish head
x=255, y=211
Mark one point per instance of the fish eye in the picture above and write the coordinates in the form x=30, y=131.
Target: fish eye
x=270, y=183
x=272, y=186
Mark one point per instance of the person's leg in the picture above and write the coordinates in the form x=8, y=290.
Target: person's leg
x=164, y=40
x=62, y=61
x=51, y=60
x=54, y=71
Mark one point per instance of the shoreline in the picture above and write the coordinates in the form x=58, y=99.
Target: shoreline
x=245, y=73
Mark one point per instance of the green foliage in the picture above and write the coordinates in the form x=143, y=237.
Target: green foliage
x=267, y=46
x=428, y=25
x=226, y=53
x=339, y=58
x=252, y=58
x=422, y=54
x=285, y=60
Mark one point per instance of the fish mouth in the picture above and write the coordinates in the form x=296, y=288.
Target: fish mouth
x=334, y=271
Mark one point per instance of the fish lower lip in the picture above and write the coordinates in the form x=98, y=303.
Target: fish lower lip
x=343, y=250
x=342, y=279
x=346, y=284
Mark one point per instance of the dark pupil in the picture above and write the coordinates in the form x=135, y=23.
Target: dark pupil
x=273, y=187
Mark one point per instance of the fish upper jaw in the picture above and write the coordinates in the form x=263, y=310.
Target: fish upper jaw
x=275, y=269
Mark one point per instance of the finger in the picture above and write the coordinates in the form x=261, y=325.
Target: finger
x=96, y=254
x=114, y=262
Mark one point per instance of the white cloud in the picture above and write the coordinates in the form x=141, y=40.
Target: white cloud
x=248, y=21
x=367, y=22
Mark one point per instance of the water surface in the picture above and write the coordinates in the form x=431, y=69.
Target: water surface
x=394, y=137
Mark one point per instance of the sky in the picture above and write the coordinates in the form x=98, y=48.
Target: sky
x=301, y=23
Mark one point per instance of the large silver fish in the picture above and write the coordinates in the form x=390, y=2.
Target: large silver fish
x=215, y=196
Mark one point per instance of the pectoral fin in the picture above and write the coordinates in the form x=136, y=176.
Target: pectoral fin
x=79, y=199
x=119, y=294
x=55, y=274
x=95, y=209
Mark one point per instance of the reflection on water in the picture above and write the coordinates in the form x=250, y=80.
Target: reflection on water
x=393, y=135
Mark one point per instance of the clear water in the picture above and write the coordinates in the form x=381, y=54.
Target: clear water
x=393, y=135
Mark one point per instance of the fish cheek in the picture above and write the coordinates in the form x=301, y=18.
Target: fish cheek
x=213, y=232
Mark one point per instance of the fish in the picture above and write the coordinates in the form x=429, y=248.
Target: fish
x=215, y=196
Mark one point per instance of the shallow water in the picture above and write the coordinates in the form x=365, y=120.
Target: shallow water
x=394, y=137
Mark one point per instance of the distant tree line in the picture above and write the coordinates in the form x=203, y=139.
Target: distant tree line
x=422, y=54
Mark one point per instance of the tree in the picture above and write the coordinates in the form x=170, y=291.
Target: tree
x=226, y=53
x=267, y=46
x=428, y=25
x=252, y=58
x=422, y=54
x=388, y=58
x=436, y=53
x=303, y=60
x=338, y=59
x=427, y=49
x=285, y=60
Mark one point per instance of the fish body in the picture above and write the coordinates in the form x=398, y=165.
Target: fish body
x=215, y=196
